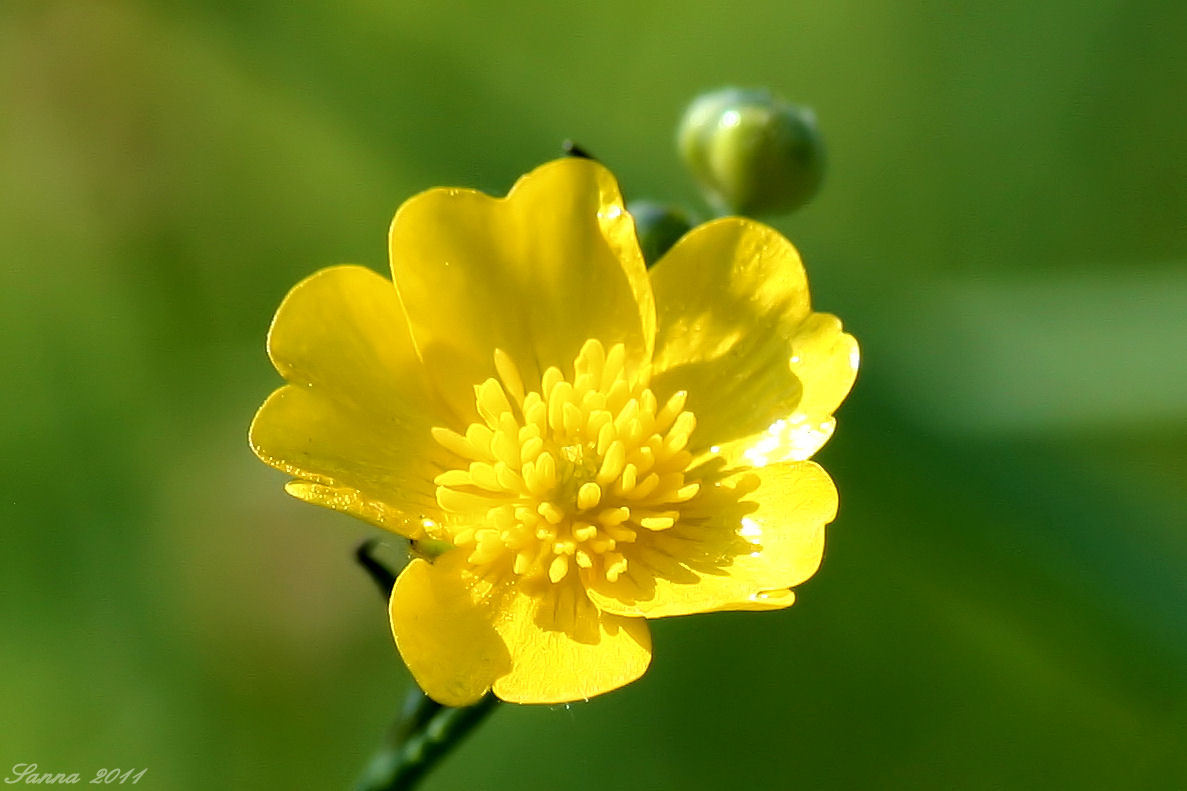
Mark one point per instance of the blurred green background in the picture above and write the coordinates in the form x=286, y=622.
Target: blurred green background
x=1003, y=604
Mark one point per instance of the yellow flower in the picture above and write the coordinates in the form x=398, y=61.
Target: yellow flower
x=595, y=445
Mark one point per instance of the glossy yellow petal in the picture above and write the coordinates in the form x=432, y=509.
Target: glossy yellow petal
x=354, y=424
x=563, y=648
x=461, y=633
x=446, y=638
x=736, y=331
x=824, y=359
x=740, y=545
x=534, y=274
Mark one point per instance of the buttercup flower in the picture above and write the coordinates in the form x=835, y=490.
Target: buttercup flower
x=592, y=444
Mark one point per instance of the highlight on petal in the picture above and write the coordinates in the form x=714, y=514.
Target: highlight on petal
x=826, y=359
x=461, y=633
x=751, y=536
x=353, y=425
x=736, y=331
x=534, y=274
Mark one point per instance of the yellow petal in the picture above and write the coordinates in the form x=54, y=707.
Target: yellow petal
x=736, y=331
x=742, y=544
x=534, y=274
x=564, y=648
x=460, y=634
x=354, y=424
x=824, y=359
x=445, y=637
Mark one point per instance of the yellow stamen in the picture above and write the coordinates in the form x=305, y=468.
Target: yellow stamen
x=509, y=373
x=588, y=496
x=572, y=482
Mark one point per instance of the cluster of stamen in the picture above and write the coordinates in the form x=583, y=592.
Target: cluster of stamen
x=566, y=479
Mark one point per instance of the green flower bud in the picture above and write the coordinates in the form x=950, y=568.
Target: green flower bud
x=658, y=227
x=751, y=152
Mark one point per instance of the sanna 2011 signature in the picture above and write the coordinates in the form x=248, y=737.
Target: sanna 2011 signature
x=30, y=773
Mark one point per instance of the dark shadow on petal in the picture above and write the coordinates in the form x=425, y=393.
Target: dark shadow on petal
x=566, y=608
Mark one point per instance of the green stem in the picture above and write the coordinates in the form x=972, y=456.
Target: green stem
x=424, y=733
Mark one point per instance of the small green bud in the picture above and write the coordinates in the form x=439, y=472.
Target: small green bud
x=658, y=227
x=751, y=152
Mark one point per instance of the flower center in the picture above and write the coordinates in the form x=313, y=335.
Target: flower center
x=565, y=479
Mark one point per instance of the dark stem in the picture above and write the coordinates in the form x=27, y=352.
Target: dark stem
x=424, y=733
x=381, y=575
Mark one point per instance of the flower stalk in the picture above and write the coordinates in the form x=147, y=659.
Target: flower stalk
x=423, y=734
